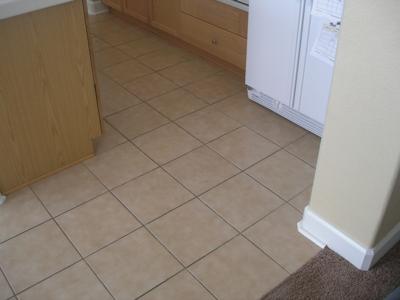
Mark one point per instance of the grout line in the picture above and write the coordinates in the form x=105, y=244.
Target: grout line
x=8, y=282
x=73, y=245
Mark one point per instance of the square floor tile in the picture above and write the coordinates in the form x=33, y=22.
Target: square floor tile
x=238, y=270
x=201, y=169
x=35, y=255
x=109, y=57
x=278, y=236
x=208, y=124
x=133, y=265
x=103, y=26
x=20, y=212
x=127, y=71
x=113, y=97
x=306, y=148
x=243, y=147
x=67, y=189
x=166, y=57
x=98, y=44
x=137, y=120
x=76, y=282
x=119, y=165
x=109, y=139
x=143, y=46
x=188, y=72
x=301, y=201
x=123, y=35
x=97, y=223
x=166, y=143
x=217, y=87
x=191, y=231
x=152, y=195
x=180, y=287
x=150, y=86
x=177, y=103
x=241, y=201
x=5, y=290
x=283, y=173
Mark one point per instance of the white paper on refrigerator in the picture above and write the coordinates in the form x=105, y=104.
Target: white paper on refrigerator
x=330, y=9
x=325, y=46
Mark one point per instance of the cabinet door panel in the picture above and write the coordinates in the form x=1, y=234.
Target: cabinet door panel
x=138, y=9
x=115, y=4
x=165, y=15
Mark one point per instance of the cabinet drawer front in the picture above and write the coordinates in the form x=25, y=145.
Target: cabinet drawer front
x=221, y=43
x=115, y=4
x=218, y=14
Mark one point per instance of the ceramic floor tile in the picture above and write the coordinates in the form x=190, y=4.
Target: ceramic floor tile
x=113, y=97
x=200, y=170
x=121, y=36
x=243, y=147
x=133, y=265
x=110, y=139
x=306, y=148
x=238, y=270
x=103, y=26
x=150, y=86
x=109, y=57
x=277, y=235
x=166, y=57
x=76, y=282
x=241, y=201
x=302, y=200
x=188, y=72
x=20, y=212
x=177, y=103
x=191, y=231
x=35, y=255
x=180, y=287
x=99, y=18
x=166, y=143
x=217, y=87
x=5, y=290
x=119, y=165
x=208, y=124
x=283, y=173
x=152, y=195
x=67, y=189
x=143, y=46
x=127, y=71
x=136, y=120
x=98, y=44
x=97, y=223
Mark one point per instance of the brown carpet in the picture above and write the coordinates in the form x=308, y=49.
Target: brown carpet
x=328, y=276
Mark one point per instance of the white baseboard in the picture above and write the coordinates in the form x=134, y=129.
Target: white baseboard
x=96, y=7
x=324, y=234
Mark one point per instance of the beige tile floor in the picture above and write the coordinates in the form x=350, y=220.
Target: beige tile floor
x=194, y=193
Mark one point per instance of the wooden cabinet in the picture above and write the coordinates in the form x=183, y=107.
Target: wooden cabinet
x=115, y=4
x=138, y=9
x=48, y=108
x=165, y=15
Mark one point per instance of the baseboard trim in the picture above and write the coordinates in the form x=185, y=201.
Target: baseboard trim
x=324, y=234
x=96, y=7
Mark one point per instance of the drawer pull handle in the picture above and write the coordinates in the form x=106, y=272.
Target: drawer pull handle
x=214, y=42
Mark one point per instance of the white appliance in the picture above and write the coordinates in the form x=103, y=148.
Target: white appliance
x=281, y=72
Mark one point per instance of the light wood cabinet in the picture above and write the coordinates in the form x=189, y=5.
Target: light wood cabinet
x=48, y=107
x=115, y=4
x=138, y=9
x=165, y=15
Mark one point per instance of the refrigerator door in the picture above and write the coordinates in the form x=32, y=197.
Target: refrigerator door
x=273, y=47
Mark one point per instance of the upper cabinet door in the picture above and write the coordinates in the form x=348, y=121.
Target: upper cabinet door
x=165, y=15
x=115, y=4
x=138, y=9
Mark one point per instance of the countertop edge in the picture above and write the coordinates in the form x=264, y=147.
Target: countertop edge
x=235, y=4
x=12, y=8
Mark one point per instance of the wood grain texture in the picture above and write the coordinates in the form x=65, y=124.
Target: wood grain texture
x=138, y=9
x=164, y=15
x=48, y=106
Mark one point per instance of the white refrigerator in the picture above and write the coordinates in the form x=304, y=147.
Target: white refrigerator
x=286, y=70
